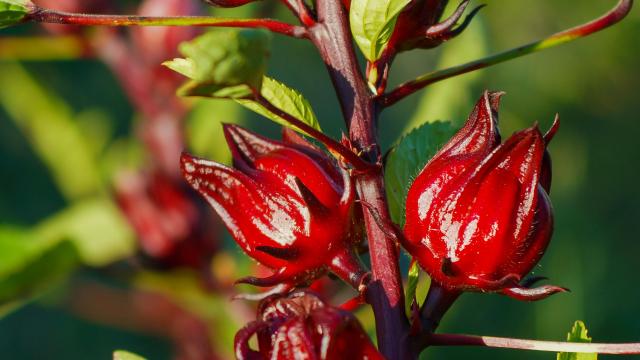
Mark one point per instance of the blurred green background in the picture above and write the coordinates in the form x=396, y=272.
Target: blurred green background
x=592, y=83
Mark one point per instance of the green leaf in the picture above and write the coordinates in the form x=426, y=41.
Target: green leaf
x=285, y=99
x=31, y=265
x=578, y=334
x=408, y=158
x=413, y=277
x=125, y=355
x=13, y=11
x=227, y=63
x=97, y=229
x=372, y=23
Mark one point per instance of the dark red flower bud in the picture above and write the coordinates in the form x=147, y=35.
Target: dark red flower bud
x=167, y=220
x=287, y=204
x=478, y=215
x=420, y=25
x=228, y=3
x=301, y=326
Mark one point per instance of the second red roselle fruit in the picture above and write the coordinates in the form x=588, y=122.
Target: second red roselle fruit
x=286, y=203
x=168, y=219
x=478, y=216
x=301, y=326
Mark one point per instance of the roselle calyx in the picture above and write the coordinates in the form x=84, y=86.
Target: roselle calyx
x=228, y=3
x=478, y=215
x=419, y=26
x=302, y=326
x=170, y=222
x=287, y=204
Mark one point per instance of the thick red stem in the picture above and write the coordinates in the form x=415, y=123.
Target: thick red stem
x=332, y=37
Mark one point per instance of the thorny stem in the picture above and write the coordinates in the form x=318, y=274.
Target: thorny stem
x=59, y=17
x=332, y=37
x=536, y=345
x=330, y=143
x=610, y=18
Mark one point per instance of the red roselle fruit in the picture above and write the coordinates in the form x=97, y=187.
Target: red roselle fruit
x=287, y=204
x=301, y=326
x=478, y=216
x=167, y=219
x=228, y=3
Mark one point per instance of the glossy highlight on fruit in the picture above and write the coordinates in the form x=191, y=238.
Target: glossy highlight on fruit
x=301, y=326
x=287, y=204
x=478, y=216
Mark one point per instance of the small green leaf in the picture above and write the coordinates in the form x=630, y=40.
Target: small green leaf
x=408, y=158
x=125, y=355
x=285, y=99
x=30, y=265
x=413, y=277
x=185, y=67
x=372, y=23
x=97, y=229
x=13, y=11
x=579, y=334
x=226, y=63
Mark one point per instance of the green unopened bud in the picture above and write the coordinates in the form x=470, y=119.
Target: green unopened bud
x=14, y=11
x=223, y=63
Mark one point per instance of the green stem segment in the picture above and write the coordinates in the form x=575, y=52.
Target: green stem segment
x=535, y=345
x=612, y=17
x=56, y=17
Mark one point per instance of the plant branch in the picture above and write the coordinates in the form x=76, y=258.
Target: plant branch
x=612, y=17
x=535, y=345
x=330, y=143
x=58, y=17
x=332, y=37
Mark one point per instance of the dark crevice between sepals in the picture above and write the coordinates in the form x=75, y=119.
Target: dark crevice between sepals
x=447, y=267
x=545, y=170
x=310, y=199
x=279, y=277
x=279, y=253
x=529, y=281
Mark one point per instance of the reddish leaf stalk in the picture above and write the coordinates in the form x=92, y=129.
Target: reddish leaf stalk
x=610, y=18
x=59, y=17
